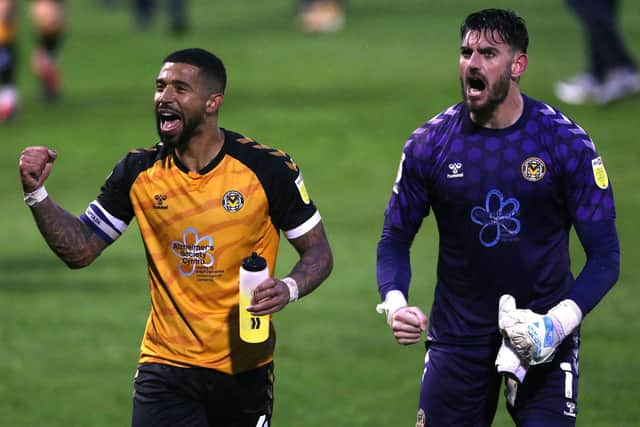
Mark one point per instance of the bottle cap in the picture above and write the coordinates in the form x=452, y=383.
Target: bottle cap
x=254, y=263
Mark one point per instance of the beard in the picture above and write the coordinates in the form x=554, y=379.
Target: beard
x=178, y=139
x=497, y=94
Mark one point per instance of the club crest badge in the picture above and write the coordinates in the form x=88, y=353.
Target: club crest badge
x=232, y=201
x=599, y=173
x=533, y=169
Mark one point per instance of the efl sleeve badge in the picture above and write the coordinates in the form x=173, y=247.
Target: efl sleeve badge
x=302, y=190
x=599, y=173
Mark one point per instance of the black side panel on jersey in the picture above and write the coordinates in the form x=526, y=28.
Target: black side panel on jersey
x=277, y=173
x=114, y=193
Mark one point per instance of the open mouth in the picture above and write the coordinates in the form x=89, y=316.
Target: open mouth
x=169, y=121
x=475, y=86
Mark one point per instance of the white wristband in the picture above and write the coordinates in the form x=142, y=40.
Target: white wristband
x=293, y=288
x=36, y=196
x=568, y=315
x=393, y=301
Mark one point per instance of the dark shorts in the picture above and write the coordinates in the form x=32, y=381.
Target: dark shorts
x=460, y=387
x=168, y=396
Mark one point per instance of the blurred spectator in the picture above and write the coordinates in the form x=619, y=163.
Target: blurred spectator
x=176, y=10
x=321, y=16
x=612, y=73
x=8, y=93
x=48, y=16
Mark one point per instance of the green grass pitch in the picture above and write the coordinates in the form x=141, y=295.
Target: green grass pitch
x=342, y=105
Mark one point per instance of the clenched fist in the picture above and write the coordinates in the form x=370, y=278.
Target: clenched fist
x=35, y=166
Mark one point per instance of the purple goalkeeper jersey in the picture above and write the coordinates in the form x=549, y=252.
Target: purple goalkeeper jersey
x=504, y=202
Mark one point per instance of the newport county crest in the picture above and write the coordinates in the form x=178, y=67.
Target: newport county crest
x=533, y=169
x=232, y=201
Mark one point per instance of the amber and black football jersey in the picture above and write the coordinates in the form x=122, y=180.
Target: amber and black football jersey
x=7, y=31
x=196, y=229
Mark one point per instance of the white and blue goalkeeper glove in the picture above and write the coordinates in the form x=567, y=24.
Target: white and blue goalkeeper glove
x=536, y=337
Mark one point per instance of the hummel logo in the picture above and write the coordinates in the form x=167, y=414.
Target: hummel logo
x=160, y=198
x=456, y=170
x=571, y=409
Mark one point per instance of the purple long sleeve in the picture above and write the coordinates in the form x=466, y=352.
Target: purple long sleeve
x=393, y=267
x=600, y=272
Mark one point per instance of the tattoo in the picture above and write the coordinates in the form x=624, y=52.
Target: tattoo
x=316, y=259
x=68, y=236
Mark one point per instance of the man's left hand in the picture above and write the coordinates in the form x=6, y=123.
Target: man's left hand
x=270, y=296
x=536, y=337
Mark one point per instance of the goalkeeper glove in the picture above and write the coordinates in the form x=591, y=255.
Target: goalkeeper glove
x=535, y=337
x=508, y=363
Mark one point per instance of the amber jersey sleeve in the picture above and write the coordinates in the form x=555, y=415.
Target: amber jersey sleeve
x=196, y=229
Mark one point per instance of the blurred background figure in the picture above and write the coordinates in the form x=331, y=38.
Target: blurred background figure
x=48, y=17
x=321, y=16
x=8, y=92
x=176, y=11
x=612, y=73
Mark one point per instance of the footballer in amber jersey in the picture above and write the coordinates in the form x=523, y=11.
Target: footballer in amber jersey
x=197, y=228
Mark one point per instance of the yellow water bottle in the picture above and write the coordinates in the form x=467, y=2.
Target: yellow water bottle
x=254, y=270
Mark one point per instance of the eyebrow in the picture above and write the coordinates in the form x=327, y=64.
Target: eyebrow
x=482, y=50
x=173, y=82
x=489, y=49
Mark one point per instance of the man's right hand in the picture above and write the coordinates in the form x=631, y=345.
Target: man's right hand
x=408, y=324
x=35, y=167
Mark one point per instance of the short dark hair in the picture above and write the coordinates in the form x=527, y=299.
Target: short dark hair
x=505, y=22
x=206, y=61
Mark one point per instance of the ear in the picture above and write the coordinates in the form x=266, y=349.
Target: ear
x=519, y=64
x=214, y=102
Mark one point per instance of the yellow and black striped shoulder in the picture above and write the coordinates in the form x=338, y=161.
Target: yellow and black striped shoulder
x=256, y=155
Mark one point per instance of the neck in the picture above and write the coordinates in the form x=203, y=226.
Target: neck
x=504, y=115
x=201, y=149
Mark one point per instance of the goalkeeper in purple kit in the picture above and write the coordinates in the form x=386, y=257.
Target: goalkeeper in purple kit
x=506, y=177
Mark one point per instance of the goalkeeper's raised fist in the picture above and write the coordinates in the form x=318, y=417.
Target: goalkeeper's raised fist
x=535, y=337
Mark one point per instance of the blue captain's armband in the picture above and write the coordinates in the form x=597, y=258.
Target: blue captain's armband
x=105, y=225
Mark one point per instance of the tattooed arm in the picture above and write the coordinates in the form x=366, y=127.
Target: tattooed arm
x=67, y=235
x=316, y=261
x=315, y=265
x=73, y=241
